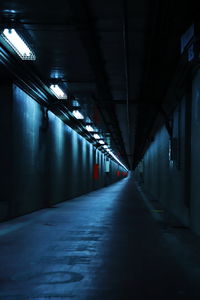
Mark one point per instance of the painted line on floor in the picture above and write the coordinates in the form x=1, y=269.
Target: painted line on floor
x=12, y=228
x=152, y=209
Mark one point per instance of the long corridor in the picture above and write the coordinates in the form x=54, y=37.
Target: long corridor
x=103, y=245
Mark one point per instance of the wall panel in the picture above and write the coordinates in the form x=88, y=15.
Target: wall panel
x=45, y=161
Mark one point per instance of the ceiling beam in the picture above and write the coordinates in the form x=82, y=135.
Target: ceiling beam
x=89, y=41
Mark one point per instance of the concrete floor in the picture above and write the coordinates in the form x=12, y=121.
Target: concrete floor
x=108, y=244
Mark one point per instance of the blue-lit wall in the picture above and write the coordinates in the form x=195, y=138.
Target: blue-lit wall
x=44, y=161
x=163, y=178
x=195, y=155
x=176, y=183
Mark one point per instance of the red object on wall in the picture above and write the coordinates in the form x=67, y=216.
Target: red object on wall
x=96, y=171
x=118, y=173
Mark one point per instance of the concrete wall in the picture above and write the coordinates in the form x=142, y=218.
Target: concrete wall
x=177, y=183
x=43, y=161
x=195, y=157
x=164, y=176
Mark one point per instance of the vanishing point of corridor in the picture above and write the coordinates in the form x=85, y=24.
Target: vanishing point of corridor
x=109, y=244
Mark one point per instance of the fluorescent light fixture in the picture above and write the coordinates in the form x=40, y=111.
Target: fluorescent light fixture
x=101, y=142
x=58, y=92
x=17, y=43
x=89, y=128
x=118, y=161
x=77, y=115
x=105, y=146
x=96, y=136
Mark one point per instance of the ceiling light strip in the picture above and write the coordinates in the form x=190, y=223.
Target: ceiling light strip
x=18, y=45
x=58, y=92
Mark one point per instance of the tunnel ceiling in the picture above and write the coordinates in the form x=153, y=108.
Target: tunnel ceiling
x=115, y=57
